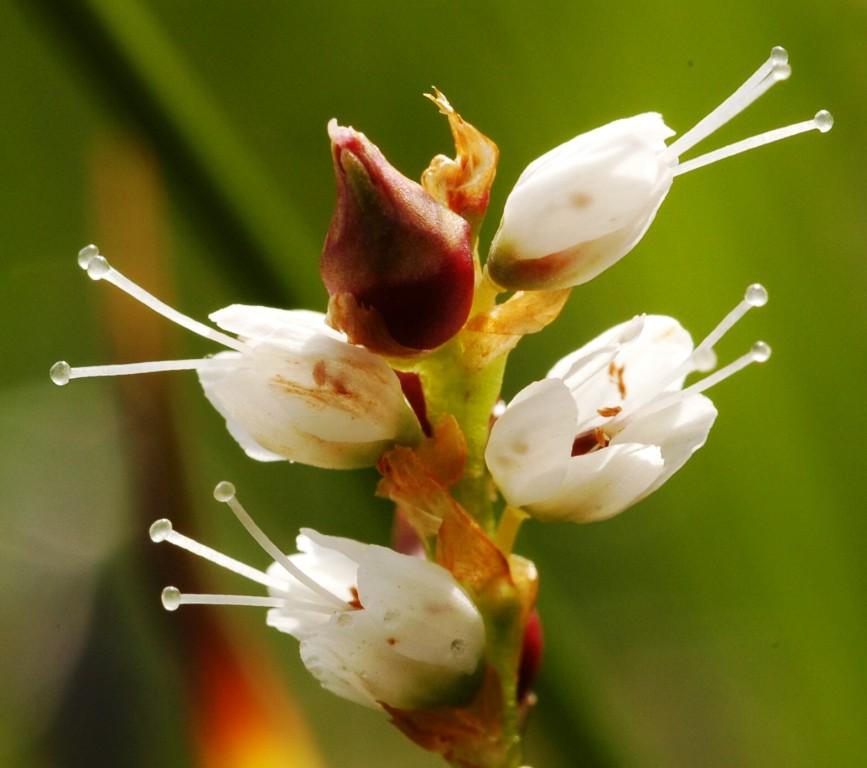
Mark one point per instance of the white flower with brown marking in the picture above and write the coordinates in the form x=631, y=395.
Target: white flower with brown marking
x=375, y=626
x=612, y=421
x=580, y=207
x=289, y=386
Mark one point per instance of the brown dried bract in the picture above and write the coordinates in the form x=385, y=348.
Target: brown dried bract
x=417, y=479
x=463, y=183
x=465, y=550
x=494, y=333
x=469, y=737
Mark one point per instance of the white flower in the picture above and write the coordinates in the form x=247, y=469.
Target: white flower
x=612, y=422
x=290, y=388
x=579, y=208
x=374, y=625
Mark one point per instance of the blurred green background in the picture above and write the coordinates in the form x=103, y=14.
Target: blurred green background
x=721, y=622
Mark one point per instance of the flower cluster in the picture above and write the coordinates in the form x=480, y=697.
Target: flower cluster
x=403, y=374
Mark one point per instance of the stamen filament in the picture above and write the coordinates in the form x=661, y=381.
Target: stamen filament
x=173, y=599
x=822, y=122
x=62, y=373
x=702, y=358
x=759, y=353
x=98, y=268
x=755, y=296
x=225, y=493
x=774, y=70
x=162, y=530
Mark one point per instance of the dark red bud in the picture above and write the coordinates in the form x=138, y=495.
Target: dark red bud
x=395, y=250
x=531, y=655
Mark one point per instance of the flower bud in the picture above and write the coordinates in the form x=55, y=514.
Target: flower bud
x=582, y=206
x=577, y=209
x=403, y=259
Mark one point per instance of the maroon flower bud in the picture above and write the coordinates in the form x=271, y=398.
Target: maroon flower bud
x=397, y=264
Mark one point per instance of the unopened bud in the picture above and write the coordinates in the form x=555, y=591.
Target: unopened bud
x=577, y=209
x=397, y=264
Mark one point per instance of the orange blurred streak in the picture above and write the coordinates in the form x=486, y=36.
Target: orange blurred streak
x=240, y=715
x=243, y=718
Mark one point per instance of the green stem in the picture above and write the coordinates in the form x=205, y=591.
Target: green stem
x=452, y=387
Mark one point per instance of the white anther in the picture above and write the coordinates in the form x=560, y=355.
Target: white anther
x=60, y=373
x=86, y=254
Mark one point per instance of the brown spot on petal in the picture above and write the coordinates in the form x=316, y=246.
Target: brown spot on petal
x=615, y=373
x=580, y=200
x=608, y=411
x=391, y=640
x=356, y=601
x=319, y=373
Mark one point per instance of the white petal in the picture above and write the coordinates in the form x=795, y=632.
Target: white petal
x=679, y=431
x=208, y=378
x=333, y=559
x=416, y=642
x=646, y=359
x=422, y=609
x=602, y=182
x=331, y=668
x=531, y=442
x=325, y=403
x=648, y=127
x=259, y=323
x=602, y=484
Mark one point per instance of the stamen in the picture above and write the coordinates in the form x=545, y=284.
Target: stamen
x=760, y=352
x=98, y=268
x=62, y=373
x=225, y=492
x=822, y=121
x=756, y=295
x=702, y=358
x=774, y=70
x=162, y=530
x=173, y=598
